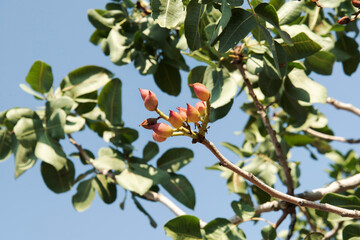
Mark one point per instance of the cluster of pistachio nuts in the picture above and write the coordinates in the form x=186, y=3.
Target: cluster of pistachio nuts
x=179, y=121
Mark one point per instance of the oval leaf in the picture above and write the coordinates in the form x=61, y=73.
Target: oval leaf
x=167, y=13
x=58, y=181
x=105, y=188
x=40, y=77
x=185, y=227
x=168, y=78
x=109, y=101
x=174, y=159
x=221, y=228
x=84, y=196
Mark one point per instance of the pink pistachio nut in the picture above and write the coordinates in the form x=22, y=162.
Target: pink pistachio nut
x=149, y=123
x=175, y=119
x=182, y=112
x=192, y=114
x=163, y=130
x=201, y=91
x=158, y=138
x=149, y=98
x=200, y=106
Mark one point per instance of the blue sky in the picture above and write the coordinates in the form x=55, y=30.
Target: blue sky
x=58, y=32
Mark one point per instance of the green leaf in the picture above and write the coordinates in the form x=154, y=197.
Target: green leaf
x=297, y=139
x=238, y=27
x=150, y=150
x=268, y=232
x=303, y=47
x=109, y=101
x=134, y=182
x=184, y=227
x=181, y=189
x=26, y=89
x=74, y=124
x=223, y=21
x=24, y=159
x=243, y=210
x=5, y=144
x=97, y=19
x=269, y=79
x=349, y=202
x=301, y=87
x=27, y=130
x=84, y=80
x=105, y=188
x=84, y=196
x=15, y=114
x=321, y=62
x=56, y=123
x=314, y=236
x=222, y=86
x=236, y=184
x=40, y=77
x=235, y=149
x=65, y=103
x=50, y=151
x=292, y=107
x=349, y=46
x=174, y=159
x=290, y=11
x=167, y=13
x=58, y=181
x=109, y=163
x=168, y=78
x=142, y=209
x=193, y=14
x=118, y=44
x=223, y=229
x=220, y=112
x=350, y=231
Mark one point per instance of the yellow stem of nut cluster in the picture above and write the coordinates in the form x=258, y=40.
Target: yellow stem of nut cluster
x=187, y=133
x=161, y=114
x=206, y=119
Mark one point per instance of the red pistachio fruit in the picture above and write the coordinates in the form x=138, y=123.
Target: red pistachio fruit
x=201, y=91
x=149, y=123
x=150, y=100
x=163, y=130
x=192, y=114
x=175, y=119
x=356, y=3
x=344, y=20
x=200, y=106
x=182, y=112
x=158, y=138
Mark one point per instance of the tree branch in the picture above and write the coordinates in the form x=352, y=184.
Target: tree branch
x=344, y=106
x=262, y=113
x=275, y=193
x=150, y=195
x=333, y=231
x=330, y=137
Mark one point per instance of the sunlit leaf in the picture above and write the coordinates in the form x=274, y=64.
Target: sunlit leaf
x=303, y=47
x=134, y=182
x=184, y=227
x=97, y=19
x=5, y=144
x=27, y=130
x=321, y=62
x=105, y=188
x=56, y=123
x=167, y=13
x=243, y=210
x=84, y=196
x=221, y=228
x=24, y=159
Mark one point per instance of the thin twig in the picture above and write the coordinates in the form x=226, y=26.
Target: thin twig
x=281, y=219
x=265, y=119
x=333, y=231
x=150, y=195
x=344, y=106
x=308, y=219
x=275, y=193
x=292, y=224
x=313, y=195
x=330, y=137
x=259, y=219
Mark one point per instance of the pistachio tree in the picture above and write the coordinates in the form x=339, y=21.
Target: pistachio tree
x=268, y=51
